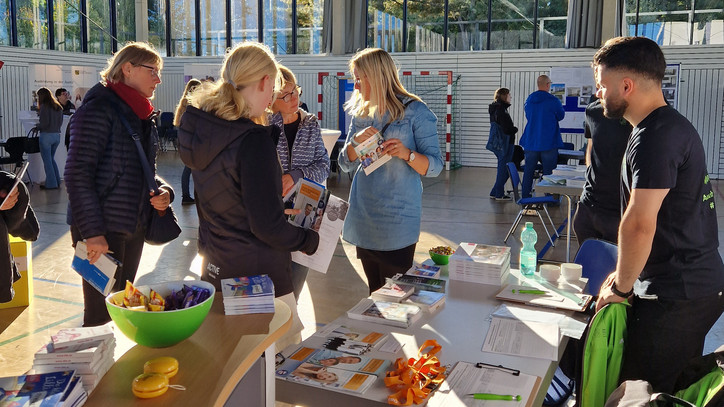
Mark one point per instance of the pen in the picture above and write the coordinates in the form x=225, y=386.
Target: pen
x=530, y=291
x=490, y=396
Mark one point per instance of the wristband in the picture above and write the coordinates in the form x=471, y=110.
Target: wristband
x=354, y=142
x=619, y=293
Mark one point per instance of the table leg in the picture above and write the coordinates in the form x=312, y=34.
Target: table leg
x=269, y=365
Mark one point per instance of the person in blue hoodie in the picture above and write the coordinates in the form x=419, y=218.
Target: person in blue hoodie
x=542, y=135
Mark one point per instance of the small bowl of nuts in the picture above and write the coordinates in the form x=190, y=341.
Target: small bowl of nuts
x=441, y=254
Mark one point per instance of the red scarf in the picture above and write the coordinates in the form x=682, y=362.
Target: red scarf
x=141, y=106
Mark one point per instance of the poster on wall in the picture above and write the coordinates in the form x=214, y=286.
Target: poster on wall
x=670, y=84
x=75, y=79
x=202, y=72
x=573, y=87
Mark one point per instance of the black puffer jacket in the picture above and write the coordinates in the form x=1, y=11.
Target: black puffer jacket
x=237, y=182
x=499, y=114
x=107, y=191
x=18, y=221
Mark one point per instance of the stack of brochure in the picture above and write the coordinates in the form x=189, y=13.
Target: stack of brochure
x=387, y=313
x=349, y=340
x=393, y=292
x=429, y=301
x=60, y=389
x=248, y=295
x=87, y=351
x=480, y=263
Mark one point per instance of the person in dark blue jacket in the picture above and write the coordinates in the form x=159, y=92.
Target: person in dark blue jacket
x=542, y=136
x=108, y=199
x=499, y=114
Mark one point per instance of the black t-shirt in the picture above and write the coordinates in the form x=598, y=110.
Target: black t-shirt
x=602, y=190
x=665, y=152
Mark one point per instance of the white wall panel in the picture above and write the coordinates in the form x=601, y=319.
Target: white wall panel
x=701, y=89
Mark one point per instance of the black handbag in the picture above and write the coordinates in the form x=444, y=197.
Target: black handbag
x=163, y=226
x=31, y=144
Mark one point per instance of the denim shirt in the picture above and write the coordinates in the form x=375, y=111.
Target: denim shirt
x=385, y=206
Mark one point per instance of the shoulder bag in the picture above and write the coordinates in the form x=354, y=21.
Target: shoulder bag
x=163, y=226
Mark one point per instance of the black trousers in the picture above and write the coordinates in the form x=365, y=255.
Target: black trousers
x=380, y=264
x=595, y=223
x=126, y=249
x=663, y=335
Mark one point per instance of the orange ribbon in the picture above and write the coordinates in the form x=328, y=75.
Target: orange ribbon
x=414, y=379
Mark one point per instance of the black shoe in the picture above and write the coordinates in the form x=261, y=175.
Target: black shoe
x=187, y=200
x=44, y=187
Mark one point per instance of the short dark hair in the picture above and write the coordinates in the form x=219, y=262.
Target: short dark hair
x=640, y=55
x=60, y=91
x=500, y=94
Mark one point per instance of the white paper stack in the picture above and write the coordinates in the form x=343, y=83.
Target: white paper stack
x=479, y=263
x=570, y=171
x=88, y=351
x=248, y=295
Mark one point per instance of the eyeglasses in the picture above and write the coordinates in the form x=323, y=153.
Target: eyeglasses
x=154, y=71
x=288, y=96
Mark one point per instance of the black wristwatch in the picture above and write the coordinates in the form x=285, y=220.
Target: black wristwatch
x=619, y=293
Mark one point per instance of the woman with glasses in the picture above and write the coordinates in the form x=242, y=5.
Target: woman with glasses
x=385, y=206
x=108, y=202
x=300, y=148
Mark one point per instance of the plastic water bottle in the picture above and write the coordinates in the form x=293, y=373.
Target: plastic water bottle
x=528, y=255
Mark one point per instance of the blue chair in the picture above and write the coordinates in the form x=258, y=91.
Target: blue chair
x=598, y=258
x=535, y=204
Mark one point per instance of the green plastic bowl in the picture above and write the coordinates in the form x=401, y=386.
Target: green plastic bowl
x=440, y=259
x=163, y=328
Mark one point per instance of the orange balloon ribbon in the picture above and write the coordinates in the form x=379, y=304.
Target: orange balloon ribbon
x=414, y=379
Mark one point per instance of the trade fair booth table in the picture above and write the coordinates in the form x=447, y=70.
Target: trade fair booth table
x=219, y=364
x=460, y=326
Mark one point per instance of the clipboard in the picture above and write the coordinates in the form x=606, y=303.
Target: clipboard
x=467, y=378
x=19, y=174
x=552, y=298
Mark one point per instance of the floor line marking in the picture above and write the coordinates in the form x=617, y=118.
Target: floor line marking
x=41, y=329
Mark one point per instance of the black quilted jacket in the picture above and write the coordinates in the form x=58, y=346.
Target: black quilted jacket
x=238, y=188
x=103, y=173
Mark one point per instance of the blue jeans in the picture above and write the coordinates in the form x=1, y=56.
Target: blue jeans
x=185, y=175
x=548, y=158
x=504, y=157
x=49, y=142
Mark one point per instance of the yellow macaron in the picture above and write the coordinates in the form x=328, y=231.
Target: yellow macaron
x=165, y=365
x=148, y=385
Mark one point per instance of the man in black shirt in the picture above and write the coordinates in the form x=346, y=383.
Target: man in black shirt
x=668, y=238
x=599, y=210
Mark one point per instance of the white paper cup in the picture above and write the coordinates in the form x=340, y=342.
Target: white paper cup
x=571, y=271
x=550, y=272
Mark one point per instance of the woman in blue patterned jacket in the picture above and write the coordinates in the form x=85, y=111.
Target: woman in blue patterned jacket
x=385, y=206
x=300, y=148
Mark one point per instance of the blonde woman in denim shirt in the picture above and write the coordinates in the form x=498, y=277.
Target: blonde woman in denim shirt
x=386, y=206
x=300, y=148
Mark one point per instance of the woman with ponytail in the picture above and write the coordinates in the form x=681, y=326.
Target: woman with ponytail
x=238, y=177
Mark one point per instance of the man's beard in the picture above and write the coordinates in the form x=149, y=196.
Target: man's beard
x=614, y=109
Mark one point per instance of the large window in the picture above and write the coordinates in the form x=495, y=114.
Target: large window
x=425, y=25
x=676, y=22
x=126, y=21
x=278, y=26
x=99, y=39
x=552, y=23
x=32, y=18
x=213, y=27
x=309, y=26
x=708, y=27
x=244, y=21
x=512, y=24
x=468, y=25
x=384, y=25
x=5, y=27
x=183, y=31
x=67, y=25
x=157, y=25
